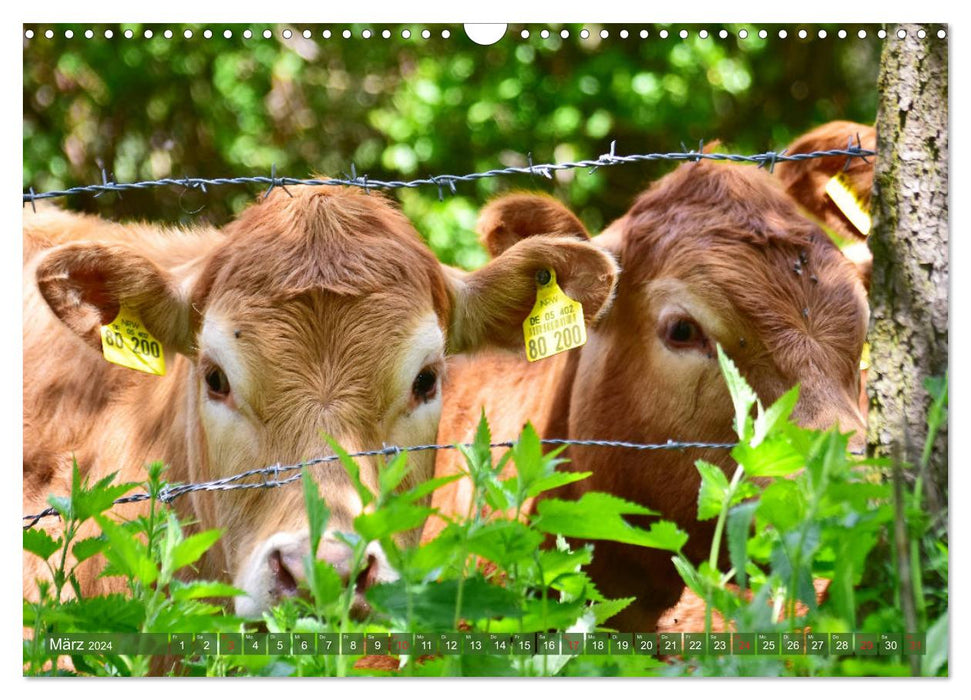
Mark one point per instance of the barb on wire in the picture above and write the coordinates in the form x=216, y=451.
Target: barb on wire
x=767, y=159
x=238, y=481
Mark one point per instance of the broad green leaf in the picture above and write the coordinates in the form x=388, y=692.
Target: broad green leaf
x=394, y=517
x=40, y=543
x=189, y=550
x=126, y=553
x=504, y=542
x=596, y=516
x=713, y=491
x=774, y=457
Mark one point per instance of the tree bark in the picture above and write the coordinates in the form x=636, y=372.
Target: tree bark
x=909, y=240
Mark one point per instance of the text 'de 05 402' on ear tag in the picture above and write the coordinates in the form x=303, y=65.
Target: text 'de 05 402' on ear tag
x=556, y=322
x=126, y=342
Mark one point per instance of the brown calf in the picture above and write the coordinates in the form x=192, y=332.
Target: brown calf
x=710, y=254
x=318, y=313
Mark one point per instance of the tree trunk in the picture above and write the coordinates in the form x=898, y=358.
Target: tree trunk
x=909, y=240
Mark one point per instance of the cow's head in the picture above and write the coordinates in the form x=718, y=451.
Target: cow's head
x=320, y=313
x=710, y=254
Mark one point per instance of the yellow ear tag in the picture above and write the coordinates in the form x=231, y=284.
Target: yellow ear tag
x=865, y=358
x=847, y=203
x=126, y=342
x=556, y=322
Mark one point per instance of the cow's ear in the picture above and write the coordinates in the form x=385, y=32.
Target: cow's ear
x=86, y=284
x=491, y=303
x=512, y=218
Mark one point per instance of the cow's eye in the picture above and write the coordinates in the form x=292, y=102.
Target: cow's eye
x=684, y=332
x=425, y=385
x=216, y=382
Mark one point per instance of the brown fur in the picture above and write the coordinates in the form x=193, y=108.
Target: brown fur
x=719, y=243
x=318, y=294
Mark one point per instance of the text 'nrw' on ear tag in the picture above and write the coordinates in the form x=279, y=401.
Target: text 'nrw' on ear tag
x=126, y=342
x=846, y=201
x=556, y=322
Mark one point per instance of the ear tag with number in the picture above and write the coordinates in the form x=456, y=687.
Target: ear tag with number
x=556, y=322
x=846, y=201
x=126, y=342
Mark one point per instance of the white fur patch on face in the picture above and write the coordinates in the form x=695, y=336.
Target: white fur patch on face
x=232, y=440
x=417, y=421
x=218, y=343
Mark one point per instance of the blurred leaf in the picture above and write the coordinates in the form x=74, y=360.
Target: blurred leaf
x=737, y=528
x=938, y=642
x=202, y=589
x=396, y=516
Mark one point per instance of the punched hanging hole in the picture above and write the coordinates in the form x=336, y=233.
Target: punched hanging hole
x=485, y=34
x=543, y=277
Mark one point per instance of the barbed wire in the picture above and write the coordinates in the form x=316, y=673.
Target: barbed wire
x=767, y=159
x=232, y=483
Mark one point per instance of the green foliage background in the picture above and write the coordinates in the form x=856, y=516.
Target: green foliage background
x=152, y=108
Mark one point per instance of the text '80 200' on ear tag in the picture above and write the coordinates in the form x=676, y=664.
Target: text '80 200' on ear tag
x=126, y=342
x=556, y=322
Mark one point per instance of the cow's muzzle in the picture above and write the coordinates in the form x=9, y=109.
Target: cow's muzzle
x=277, y=570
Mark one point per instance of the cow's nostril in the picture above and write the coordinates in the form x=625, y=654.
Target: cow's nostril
x=284, y=582
x=368, y=576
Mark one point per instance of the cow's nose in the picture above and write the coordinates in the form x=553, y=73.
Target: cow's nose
x=277, y=569
x=286, y=565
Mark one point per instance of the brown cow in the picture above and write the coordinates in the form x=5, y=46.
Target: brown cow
x=320, y=312
x=711, y=253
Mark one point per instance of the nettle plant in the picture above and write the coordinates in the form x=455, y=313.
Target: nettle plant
x=798, y=507
x=149, y=553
